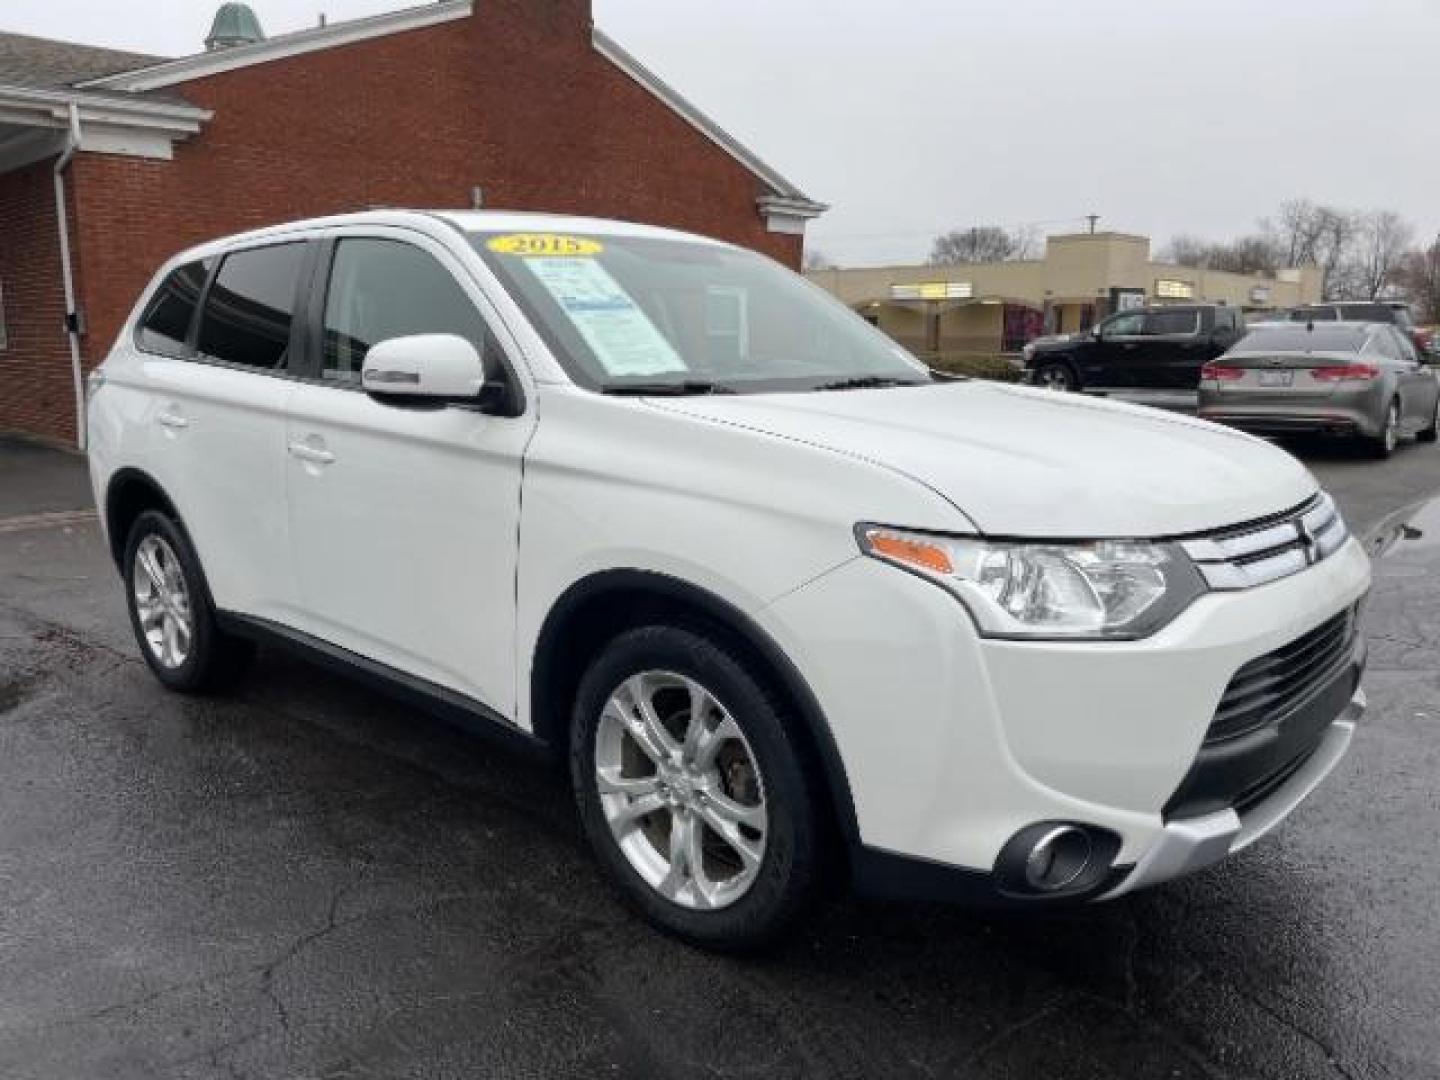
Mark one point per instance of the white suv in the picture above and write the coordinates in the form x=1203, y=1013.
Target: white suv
x=787, y=601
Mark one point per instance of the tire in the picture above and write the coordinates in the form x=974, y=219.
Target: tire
x=164, y=590
x=735, y=903
x=1056, y=375
x=1432, y=433
x=1383, y=445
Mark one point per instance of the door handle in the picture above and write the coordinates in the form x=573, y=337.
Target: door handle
x=312, y=454
x=172, y=420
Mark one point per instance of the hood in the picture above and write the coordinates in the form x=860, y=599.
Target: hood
x=1036, y=463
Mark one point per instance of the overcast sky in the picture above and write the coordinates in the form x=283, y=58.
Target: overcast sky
x=1162, y=117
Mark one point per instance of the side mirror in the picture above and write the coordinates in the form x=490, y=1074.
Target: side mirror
x=1098, y=331
x=430, y=369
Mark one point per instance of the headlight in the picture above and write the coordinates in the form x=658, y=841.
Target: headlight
x=1105, y=589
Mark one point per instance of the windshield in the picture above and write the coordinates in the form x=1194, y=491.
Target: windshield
x=647, y=314
x=1280, y=338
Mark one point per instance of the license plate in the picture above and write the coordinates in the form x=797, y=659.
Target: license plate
x=1277, y=378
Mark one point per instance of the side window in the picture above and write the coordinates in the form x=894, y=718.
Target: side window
x=165, y=326
x=1404, y=347
x=248, y=313
x=381, y=289
x=1128, y=325
x=1163, y=323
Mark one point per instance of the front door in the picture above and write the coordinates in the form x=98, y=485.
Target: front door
x=1115, y=352
x=405, y=521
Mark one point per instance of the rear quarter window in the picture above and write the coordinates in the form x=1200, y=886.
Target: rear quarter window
x=1368, y=313
x=1158, y=323
x=165, y=326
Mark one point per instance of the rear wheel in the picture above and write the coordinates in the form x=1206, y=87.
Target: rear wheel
x=1432, y=433
x=691, y=791
x=1056, y=375
x=1383, y=445
x=171, y=612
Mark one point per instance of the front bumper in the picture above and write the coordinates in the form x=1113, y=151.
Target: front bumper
x=952, y=744
x=1192, y=844
x=1347, y=410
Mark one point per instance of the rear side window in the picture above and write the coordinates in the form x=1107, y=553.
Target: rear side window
x=251, y=306
x=1404, y=348
x=1367, y=312
x=1158, y=323
x=165, y=326
x=381, y=289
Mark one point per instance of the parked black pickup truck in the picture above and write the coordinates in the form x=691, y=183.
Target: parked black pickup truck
x=1157, y=348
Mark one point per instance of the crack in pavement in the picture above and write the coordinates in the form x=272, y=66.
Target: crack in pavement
x=1332, y=1058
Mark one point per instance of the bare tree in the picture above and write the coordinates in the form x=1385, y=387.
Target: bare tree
x=980, y=244
x=1186, y=250
x=816, y=259
x=1419, y=277
x=1383, y=238
x=1334, y=252
x=1257, y=254
x=1297, y=231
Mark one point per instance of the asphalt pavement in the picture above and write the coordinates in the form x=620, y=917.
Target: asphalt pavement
x=305, y=880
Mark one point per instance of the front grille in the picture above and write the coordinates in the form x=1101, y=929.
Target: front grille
x=1272, y=685
x=1270, y=550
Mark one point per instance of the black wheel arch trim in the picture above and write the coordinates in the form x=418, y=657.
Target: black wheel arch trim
x=118, y=482
x=729, y=617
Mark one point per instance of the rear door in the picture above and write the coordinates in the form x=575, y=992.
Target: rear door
x=404, y=520
x=1173, y=350
x=219, y=414
x=1418, y=387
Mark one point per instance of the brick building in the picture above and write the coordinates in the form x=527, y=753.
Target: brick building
x=110, y=162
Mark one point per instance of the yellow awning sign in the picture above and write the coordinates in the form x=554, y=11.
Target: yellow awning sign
x=545, y=244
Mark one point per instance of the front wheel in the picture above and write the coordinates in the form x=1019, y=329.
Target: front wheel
x=691, y=790
x=1056, y=375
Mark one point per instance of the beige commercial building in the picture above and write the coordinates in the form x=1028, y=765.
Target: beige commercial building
x=997, y=307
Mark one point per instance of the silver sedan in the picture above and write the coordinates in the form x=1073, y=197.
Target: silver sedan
x=1349, y=378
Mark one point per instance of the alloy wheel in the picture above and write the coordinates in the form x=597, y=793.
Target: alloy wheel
x=1054, y=377
x=162, y=602
x=681, y=790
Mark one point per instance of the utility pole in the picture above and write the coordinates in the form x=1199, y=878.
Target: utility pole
x=1092, y=219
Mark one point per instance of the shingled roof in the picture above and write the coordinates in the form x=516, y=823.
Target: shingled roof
x=42, y=64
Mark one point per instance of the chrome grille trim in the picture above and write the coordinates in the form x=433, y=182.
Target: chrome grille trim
x=1246, y=558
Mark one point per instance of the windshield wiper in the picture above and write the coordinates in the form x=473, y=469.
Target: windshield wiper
x=865, y=382
x=667, y=389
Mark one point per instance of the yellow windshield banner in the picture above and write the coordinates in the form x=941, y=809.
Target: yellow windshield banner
x=545, y=244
